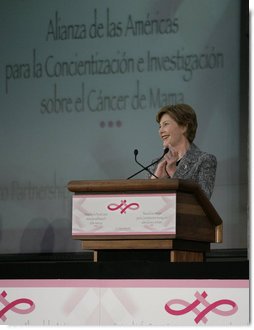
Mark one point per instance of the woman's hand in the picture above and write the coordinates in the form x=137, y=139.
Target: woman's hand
x=160, y=170
x=167, y=167
x=171, y=158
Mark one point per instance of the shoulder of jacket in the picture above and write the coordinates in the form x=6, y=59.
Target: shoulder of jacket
x=195, y=152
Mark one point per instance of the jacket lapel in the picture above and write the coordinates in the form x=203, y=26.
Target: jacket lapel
x=187, y=162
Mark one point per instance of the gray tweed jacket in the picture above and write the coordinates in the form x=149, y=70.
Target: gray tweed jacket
x=198, y=166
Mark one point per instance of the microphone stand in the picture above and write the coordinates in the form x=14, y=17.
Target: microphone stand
x=146, y=168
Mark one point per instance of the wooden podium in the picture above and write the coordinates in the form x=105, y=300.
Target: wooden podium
x=197, y=224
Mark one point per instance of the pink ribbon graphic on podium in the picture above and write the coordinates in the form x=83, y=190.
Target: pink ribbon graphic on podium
x=12, y=306
x=201, y=315
x=123, y=206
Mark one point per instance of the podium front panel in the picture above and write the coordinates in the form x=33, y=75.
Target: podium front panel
x=123, y=214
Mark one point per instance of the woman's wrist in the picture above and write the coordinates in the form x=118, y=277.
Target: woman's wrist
x=168, y=175
x=169, y=171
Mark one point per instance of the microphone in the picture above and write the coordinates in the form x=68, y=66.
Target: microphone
x=145, y=168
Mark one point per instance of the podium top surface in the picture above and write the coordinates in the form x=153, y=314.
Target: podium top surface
x=132, y=185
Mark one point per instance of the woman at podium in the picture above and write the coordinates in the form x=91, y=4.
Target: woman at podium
x=184, y=160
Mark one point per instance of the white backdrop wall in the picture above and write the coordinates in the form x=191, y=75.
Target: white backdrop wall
x=81, y=83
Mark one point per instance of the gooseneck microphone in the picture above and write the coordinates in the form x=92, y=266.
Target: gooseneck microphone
x=146, y=168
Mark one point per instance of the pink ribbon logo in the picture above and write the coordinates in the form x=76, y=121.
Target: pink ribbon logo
x=12, y=306
x=201, y=315
x=123, y=206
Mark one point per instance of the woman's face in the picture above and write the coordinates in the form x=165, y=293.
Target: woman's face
x=170, y=132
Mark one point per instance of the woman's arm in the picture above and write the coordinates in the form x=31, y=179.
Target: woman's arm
x=206, y=174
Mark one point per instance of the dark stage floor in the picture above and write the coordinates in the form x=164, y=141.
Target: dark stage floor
x=219, y=264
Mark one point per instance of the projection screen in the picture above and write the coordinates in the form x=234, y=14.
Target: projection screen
x=81, y=83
